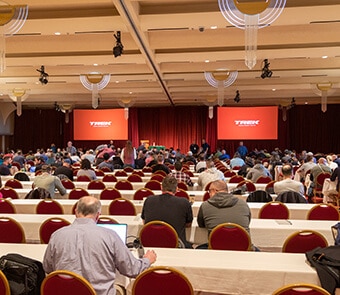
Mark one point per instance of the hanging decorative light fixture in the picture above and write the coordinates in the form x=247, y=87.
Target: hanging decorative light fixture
x=12, y=19
x=210, y=102
x=126, y=103
x=323, y=89
x=18, y=95
x=251, y=15
x=220, y=79
x=94, y=82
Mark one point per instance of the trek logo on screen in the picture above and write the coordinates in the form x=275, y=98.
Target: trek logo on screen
x=100, y=124
x=247, y=123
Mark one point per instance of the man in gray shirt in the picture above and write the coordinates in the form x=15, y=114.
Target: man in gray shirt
x=91, y=251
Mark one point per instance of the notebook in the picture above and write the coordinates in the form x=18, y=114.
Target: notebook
x=119, y=228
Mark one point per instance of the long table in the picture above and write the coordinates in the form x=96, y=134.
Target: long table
x=267, y=234
x=219, y=272
x=297, y=211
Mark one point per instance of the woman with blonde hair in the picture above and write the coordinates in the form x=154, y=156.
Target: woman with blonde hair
x=128, y=155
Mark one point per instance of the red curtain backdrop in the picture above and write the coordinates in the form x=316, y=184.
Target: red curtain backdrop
x=306, y=127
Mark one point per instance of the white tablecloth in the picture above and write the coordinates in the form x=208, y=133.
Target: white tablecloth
x=223, y=272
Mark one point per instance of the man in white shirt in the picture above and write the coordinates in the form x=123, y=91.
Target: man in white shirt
x=210, y=174
x=288, y=184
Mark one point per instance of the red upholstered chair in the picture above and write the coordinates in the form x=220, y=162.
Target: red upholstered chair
x=13, y=183
x=270, y=187
x=49, y=206
x=263, y=179
x=236, y=179
x=121, y=173
x=16, y=164
x=147, y=169
x=8, y=192
x=157, y=177
x=128, y=169
x=189, y=173
x=182, y=185
x=124, y=185
x=134, y=178
x=68, y=184
x=158, y=234
x=138, y=172
x=109, y=178
x=160, y=172
x=7, y=207
x=84, y=178
x=122, y=206
x=77, y=193
x=229, y=173
x=75, y=171
x=105, y=169
x=4, y=285
x=182, y=194
x=142, y=193
x=236, y=167
x=106, y=220
x=153, y=185
x=229, y=236
x=154, y=280
x=207, y=186
x=96, y=184
x=250, y=185
x=301, y=289
x=274, y=210
x=206, y=196
x=99, y=173
x=66, y=282
x=323, y=212
x=109, y=194
x=304, y=241
x=49, y=226
x=11, y=231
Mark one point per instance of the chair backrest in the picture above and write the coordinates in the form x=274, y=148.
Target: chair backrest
x=162, y=280
x=229, y=236
x=110, y=194
x=105, y=169
x=304, y=241
x=49, y=206
x=320, y=179
x=291, y=197
x=66, y=282
x=124, y=185
x=301, y=289
x=182, y=185
x=38, y=193
x=49, y=226
x=4, y=285
x=323, y=212
x=274, y=210
x=147, y=169
x=11, y=231
x=68, y=184
x=249, y=185
x=8, y=192
x=157, y=177
x=206, y=196
x=270, y=187
x=229, y=173
x=13, y=183
x=122, y=206
x=134, y=178
x=142, y=193
x=120, y=173
x=109, y=178
x=207, y=186
x=106, y=220
x=189, y=173
x=259, y=196
x=153, y=185
x=99, y=172
x=263, y=179
x=236, y=179
x=96, y=184
x=128, y=169
x=7, y=207
x=160, y=172
x=158, y=234
x=138, y=172
x=182, y=194
x=77, y=193
x=84, y=178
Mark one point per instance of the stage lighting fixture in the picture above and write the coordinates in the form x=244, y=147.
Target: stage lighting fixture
x=43, y=79
x=118, y=49
x=293, y=103
x=266, y=72
x=237, y=98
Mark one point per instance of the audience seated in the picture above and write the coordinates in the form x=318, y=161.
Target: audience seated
x=288, y=184
x=210, y=174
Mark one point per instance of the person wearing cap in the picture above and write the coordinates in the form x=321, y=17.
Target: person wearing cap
x=48, y=182
x=65, y=169
x=190, y=158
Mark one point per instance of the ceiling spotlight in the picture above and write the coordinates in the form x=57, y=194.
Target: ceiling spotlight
x=43, y=79
x=266, y=73
x=237, y=98
x=118, y=49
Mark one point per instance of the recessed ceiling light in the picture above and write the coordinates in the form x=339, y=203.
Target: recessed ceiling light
x=130, y=92
x=324, y=56
x=95, y=65
x=306, y=102
x=213, y=27
x=207, y=60
x=57, y=33
x=117, y=81
x=273, y=89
